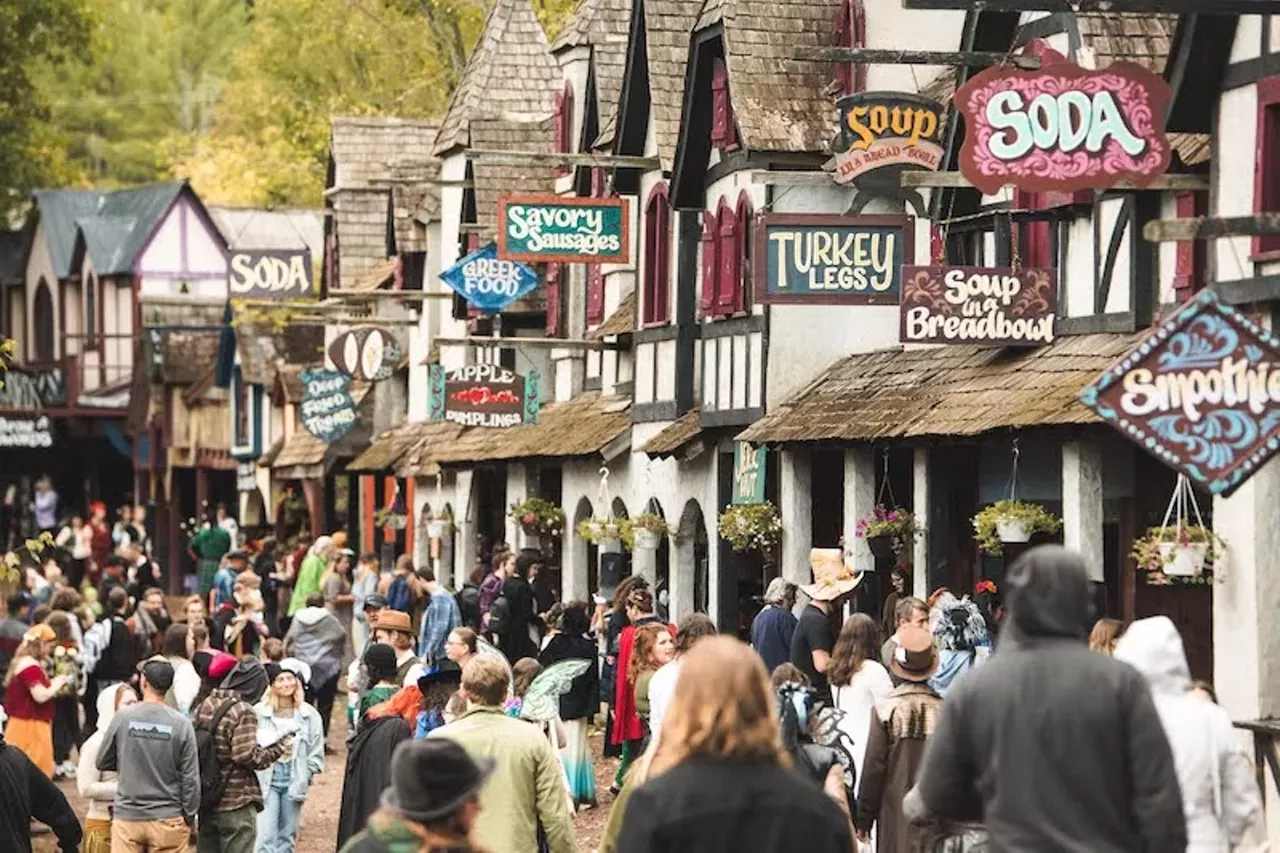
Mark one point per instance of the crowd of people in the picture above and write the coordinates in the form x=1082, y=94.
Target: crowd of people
x=470, y=713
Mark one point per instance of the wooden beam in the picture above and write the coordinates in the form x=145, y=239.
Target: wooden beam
x=349, y=295
x=787, y=178
x=547, y=158
x=875, y=56
x=1207, y=228
x=955, y=180
x=1245, y=291
x=1208, y=7
x=545, y=343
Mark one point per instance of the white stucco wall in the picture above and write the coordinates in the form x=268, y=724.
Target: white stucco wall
x=39, y=268
x=183, y=252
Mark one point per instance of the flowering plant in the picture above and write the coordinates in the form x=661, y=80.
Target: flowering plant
x=538, y=517
x=987, y=523
x=894, y=522
x=1151, y=558
x=648, y=521
x=750, y=527
x=596, y=531
x=986, y=585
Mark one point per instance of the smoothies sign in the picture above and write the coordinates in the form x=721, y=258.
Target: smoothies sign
x=879, y=129
x=819, y=258
x=1063, y=128
x=488, y=283
x=1201, y=393
x=985, y=305
x=562, y=228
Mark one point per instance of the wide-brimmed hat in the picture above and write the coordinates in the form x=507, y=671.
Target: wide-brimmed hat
x=914, y=657
x=393, y=620
x=431, y=778
x=832, y=575
x=447, y=672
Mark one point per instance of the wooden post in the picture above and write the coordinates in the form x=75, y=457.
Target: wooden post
x=1211, y=228
x=876, y=56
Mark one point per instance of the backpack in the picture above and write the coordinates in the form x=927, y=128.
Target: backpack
x=500, y=615
x=212, y=785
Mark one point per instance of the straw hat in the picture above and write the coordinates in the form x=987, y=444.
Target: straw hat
x=832, y=576
x=914, y=657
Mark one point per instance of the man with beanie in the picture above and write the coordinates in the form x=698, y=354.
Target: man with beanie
x=231, y=826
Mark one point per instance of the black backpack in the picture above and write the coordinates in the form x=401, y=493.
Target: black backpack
x=212, y=785
x=500, y=615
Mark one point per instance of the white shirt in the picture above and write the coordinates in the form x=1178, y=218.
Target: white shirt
x=233, y=530
x=662, y=689
x=858, y=699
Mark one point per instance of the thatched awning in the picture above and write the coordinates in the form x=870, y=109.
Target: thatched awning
x=671, y=440
x=385, y=451
x=582, y=426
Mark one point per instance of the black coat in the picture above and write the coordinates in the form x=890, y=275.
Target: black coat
x=517, y=643
x=704, y=806
x=583, y=698
x=26, y=793
x=368, y=771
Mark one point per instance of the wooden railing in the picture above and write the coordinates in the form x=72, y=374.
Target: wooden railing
x=1265, y=733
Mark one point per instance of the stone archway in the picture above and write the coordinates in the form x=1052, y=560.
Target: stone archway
x=656, y=564
x=691, y=581
x=580, y=566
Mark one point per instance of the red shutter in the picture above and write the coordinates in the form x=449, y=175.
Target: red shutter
x=595, y=294
x=743, y=250
x=1266, y=182
x=727, y=280
x=657, y=268
x=1188, y=274
x=564, y=125
x=937, y=245
x=719, y=104
x=1036, y=249
x=555, y=273
x=710, y=263
x=851, y=31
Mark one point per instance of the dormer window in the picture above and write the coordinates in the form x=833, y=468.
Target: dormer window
x=657, y=258
x=724, y=129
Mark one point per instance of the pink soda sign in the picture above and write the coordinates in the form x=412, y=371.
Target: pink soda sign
x=1063, y=128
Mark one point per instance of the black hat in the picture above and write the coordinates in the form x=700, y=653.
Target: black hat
x=273, y=669
x=379, y=660
x=446, y=672
x=377, y=601
x=431, y=778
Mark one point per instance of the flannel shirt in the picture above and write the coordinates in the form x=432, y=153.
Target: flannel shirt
x=441, y=617
x=239, y=755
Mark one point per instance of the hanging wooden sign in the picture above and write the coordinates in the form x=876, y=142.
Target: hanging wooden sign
x=818, y=258
x=881, y=129
x=270, y=274
x=368, y=353
x=483, y=395
x=983, y=305
x=1063, y=128
x=327, y=410
x=26, y=433
x=1201, y=393
x=749, y=462
x=488, y=282
x=563, y=228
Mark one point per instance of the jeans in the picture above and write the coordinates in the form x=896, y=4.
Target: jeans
x=228, y=832
x=278, y=821
x=169, y=835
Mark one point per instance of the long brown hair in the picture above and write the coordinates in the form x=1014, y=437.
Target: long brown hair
x=724, y=708
x=642, y=651
x=858, y=642
x=1105, y=634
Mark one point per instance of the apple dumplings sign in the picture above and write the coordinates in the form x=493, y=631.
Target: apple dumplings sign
x=1064, y=128
x=368, y=353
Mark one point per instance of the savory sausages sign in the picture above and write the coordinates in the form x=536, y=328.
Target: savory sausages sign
x=1201, y=393
x=1063, y=128
x=563, y=228
x=985, y=305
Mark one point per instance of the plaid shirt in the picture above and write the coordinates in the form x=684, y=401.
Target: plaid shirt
x=441, y=617
x=239, y=755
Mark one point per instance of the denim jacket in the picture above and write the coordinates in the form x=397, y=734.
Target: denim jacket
x=308, y=746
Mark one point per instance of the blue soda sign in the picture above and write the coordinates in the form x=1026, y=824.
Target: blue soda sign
x=817, y=259
x=487, y=282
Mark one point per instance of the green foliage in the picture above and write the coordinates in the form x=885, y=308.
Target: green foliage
x=985, y=522
x=538, y=516
x=27, y=553
x=1151, y=558
x=751, y=527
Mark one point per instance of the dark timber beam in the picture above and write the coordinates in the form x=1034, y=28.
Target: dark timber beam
x=546, y=158
x=1245, y=291
x=920, y=178
x=875, y=56
x=1205, y=228
x=1208, y=7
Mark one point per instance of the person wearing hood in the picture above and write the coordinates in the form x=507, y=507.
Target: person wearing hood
x=962, y=637
x=1051, y=746
x=282, y=712
x=27, y=793
x=1219, y=795
x=231, y=825
x=313, y=567
x=368, y=770
x=317, y=638
x=94, y=785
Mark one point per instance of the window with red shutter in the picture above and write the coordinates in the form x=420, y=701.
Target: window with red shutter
x=1035, y=247
x=710, y=263
x=657, y=257
x=555, y=290
x=851, y=31
x=1266, y=182
x=564, y=125
x=1188, y=273
x=742, y=296
x=727, y=277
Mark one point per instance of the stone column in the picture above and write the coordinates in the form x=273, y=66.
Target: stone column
x=464, y=555
x=517, y=491
x=795, y=499
x=859, y=500
x=1082, y=503
x=920, y=501
x=644, y=562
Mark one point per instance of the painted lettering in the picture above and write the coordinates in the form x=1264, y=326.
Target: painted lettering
x=1063, y=121
x=868, y=123
x=1234, y=382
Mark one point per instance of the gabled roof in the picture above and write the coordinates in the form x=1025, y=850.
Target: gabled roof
x=491, y=180
x=376, y=151
x=13, y=246
x=116, y=230
x=58, y=211
x=511, y=73
x=668, y=25
x=603, y=26
x=267, y=228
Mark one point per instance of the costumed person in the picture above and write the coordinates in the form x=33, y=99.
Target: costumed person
x=858, y=680
x=580, y=703
x=628, y=729
x=28, y=698
x=314, y=565
x=100, y=543
x=437, y=688
x=961, y=635
x=368, y=770
x=99, y=786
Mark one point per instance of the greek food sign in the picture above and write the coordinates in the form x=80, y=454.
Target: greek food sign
x=275, y=274
x=1201, y=393
x=487, y=282
x=818, y=259
x=483, y=395
x=1063, y=128
x=563, y=229
x=327, y=410
x=983, y=305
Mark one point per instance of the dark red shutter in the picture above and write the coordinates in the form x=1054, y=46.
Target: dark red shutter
x=1188, y=273
x=564, y=125
x=937, y=245
x=657, y=272
x=743, y=250
x=728, y=275
x=710, y=263
x=1266, y=184
x=851, y=31
x=719, y=104
x=1036, y=247
x=595, y=294
x=555, y=287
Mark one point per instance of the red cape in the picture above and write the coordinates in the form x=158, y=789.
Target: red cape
x=626, y=722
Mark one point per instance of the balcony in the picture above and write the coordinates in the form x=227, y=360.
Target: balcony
x=94, y=377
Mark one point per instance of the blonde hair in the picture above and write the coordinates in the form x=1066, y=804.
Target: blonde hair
x=1104, y=636
x=723, y=708
x=273, y=698
x=486, y=681
x=29, y=648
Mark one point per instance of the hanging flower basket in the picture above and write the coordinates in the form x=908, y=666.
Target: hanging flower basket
x=1178, y=555
x=390, y=518
x=750, y=527
x=1011, y=522
x=538, y=517
x=890, y=532
x=645, y=531
x=435, y=528
x=598, y=531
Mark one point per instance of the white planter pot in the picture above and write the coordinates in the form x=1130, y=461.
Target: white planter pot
x=435, y=529
x=647, y=539
x=1013, y=530
x=1183, y=560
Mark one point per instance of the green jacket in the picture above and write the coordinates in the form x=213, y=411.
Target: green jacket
x=527, y=785
x=307, y=582
x=211, y=543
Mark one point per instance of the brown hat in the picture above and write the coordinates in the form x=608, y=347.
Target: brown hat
x=914, y=657
x=832, y=575
x=393, y=620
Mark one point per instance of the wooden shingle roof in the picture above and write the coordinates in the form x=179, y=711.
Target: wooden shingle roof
x=941, y=391
x=492, y=179
x=620, y=322
x=582, y=426
x=511, y=73
x=603, y=25
x=360, y=218
x=671, y=439
x=378, y=151
x=386, y=450
x=668, y=32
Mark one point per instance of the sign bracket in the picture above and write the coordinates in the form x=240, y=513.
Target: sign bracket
x=878, y=56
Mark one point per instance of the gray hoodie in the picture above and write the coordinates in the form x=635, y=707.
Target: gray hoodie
x=1052, y=746
x=317, y=639
x=153, y=748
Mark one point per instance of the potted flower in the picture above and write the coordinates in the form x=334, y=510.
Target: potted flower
x=599, y=531
x=644, y=531
x=1011, y=522
x=389, y=517
x=889, y=531
x=1185, y=551
x=439, y=526
x=750, y=527
x=538, y=517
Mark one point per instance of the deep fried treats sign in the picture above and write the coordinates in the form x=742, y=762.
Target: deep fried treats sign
x=1201, y=393
x=985, y=305
x=327, y=410
x=1063, y=128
